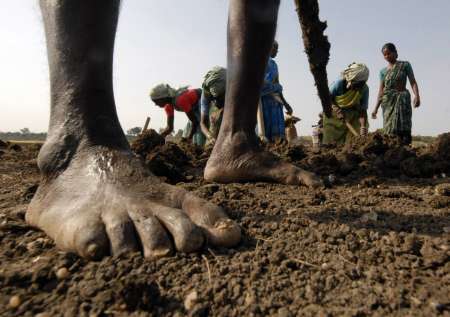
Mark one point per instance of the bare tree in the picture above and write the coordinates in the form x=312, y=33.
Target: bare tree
x=25, y=131
x=134, y=131
x=317, y=47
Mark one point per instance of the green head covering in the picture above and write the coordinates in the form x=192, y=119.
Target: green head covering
x=162, y=91
x=215, y=81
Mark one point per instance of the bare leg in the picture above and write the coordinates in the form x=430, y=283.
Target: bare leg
x=95, y=197
x=236, y=156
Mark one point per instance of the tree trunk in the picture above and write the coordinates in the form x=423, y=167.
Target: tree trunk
x=317, y=47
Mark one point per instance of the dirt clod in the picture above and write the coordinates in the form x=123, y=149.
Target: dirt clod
x=14, y=301
x=442, y=189
x=14, y=147
x=190, y=300
x=371, y=216
x=62, y=273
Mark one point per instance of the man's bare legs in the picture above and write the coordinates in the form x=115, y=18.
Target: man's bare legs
x=236, y=156
x=96, y=197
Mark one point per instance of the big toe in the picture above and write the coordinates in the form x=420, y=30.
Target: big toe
x=224, y=233
x=218, y=228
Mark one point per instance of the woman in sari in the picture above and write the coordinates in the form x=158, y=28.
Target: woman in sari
x=272, y=100
x=185, y=100
x=350, y=99
x=394, y=98
x=212, y=102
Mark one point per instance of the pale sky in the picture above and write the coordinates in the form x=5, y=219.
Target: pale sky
x=177, y=42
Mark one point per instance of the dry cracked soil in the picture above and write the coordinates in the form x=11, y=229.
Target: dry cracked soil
x=375, y=242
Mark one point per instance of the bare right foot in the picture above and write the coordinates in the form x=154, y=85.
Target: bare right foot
x=237, y=158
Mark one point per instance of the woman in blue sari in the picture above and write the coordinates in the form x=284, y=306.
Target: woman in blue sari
x=272, y=100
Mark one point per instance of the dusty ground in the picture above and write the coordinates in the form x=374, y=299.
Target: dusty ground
x=375, y=243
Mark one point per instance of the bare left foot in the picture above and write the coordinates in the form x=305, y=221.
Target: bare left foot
x=235, y=158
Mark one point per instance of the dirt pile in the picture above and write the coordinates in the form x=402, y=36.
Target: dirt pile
x=175, y=162
x=291, y=152
x=382, y=155
x=10, y=146
x=432, y=160
x=440, y=149
x=376, y=155
x=146, y=142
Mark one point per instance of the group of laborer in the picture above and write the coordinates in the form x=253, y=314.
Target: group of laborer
x=350, y=100
x=204, y=107
x=349, y=96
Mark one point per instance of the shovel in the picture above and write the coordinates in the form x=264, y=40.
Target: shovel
x=351, y=128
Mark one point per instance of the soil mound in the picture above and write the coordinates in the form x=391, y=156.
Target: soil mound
x=375, y=155
x=382, y=155
x=172, y=161
x=146, y=142
x=440, y=149
x=374, y=144
x=196, y=155
x=430, y=161
x=291, y=152
x=168, y=161
x=14, y=147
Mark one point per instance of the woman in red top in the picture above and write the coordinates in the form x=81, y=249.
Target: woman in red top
x=183, y=99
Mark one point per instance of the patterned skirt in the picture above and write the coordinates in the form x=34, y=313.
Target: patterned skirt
x=397, y=112
x=336, y=131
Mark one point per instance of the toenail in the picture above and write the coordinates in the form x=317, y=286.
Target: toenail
x=92, y=250
x=224, y=224
x=160, y=253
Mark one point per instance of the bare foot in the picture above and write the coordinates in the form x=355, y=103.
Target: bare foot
x=237, y=159
x=106, y=202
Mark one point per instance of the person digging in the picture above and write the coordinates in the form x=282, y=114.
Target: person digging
x=350, y=99
x=212, y=102
x=184, y=100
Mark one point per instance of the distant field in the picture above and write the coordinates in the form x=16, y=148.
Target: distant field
x=418, y=140
x=36, y=139
x=26, y=141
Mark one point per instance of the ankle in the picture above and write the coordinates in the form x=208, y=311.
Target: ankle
x=64, y=143
x=237, y=141
x=57, y=152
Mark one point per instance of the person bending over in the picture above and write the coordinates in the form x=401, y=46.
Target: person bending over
x=183, y=100
x=212, y=102
x=350, y=98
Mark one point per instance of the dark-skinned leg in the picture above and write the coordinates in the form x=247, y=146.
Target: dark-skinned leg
x=96, y=197
x=236, y=156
